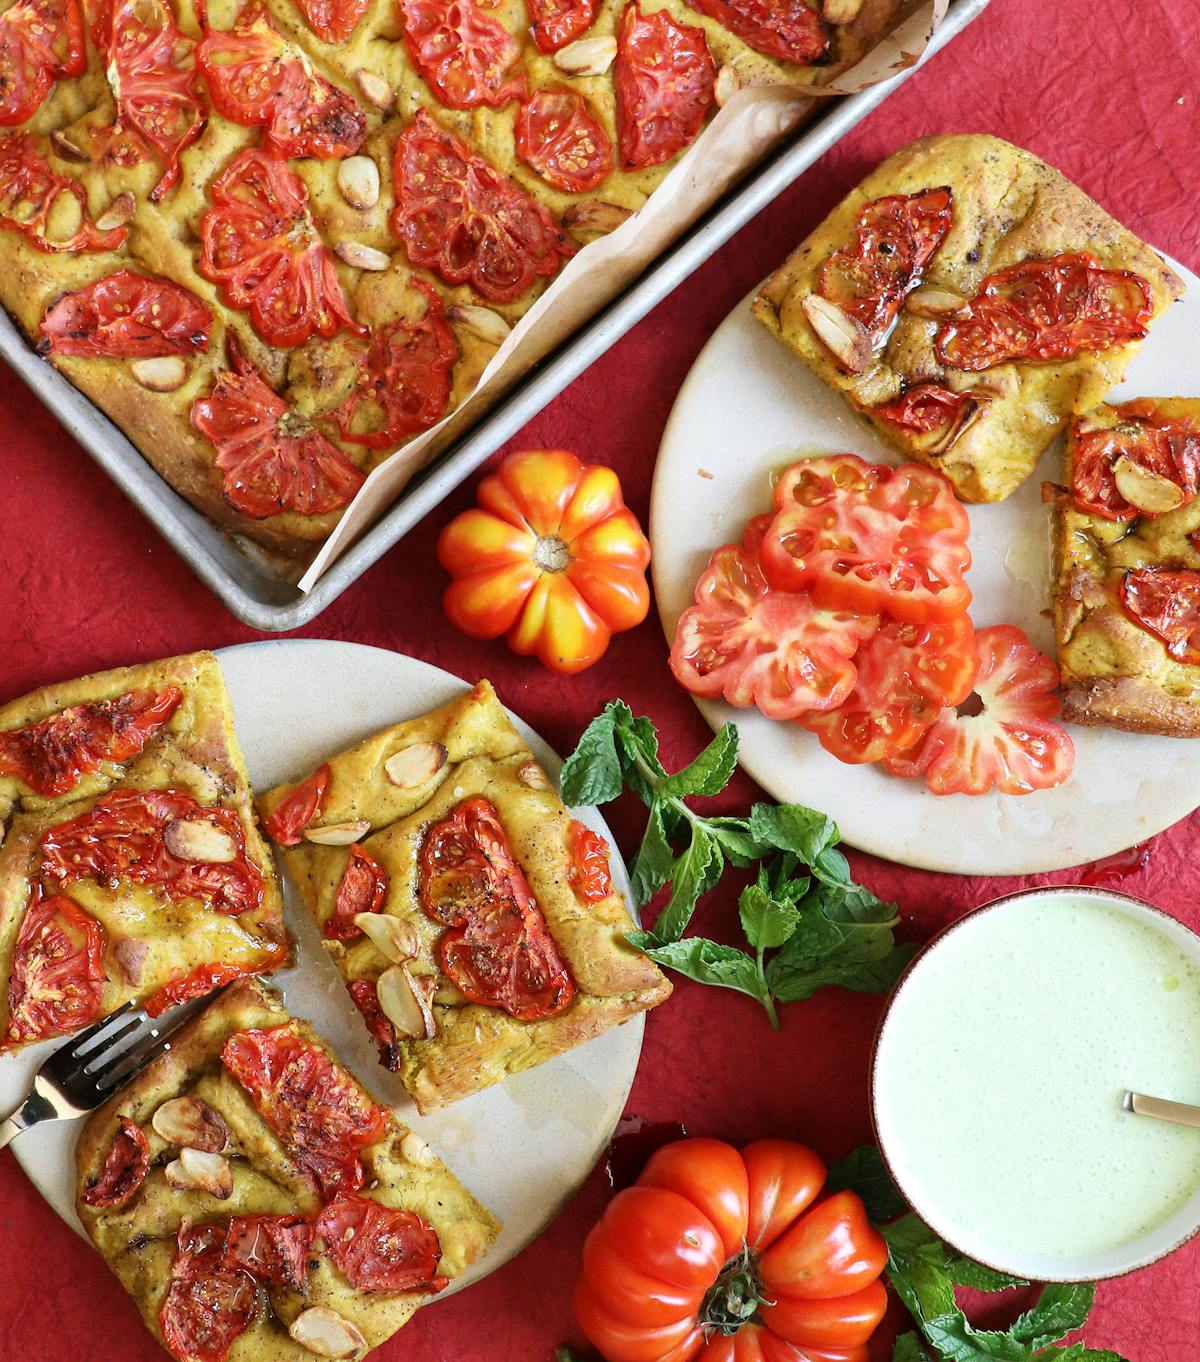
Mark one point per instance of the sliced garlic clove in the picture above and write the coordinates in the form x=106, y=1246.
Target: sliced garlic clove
x=841, y=11
x=187, y=1122
x=360, y=256
x=66, y=149
x=160, y=373
x=201, y=1171
x=1145, y=490
x=532, y=775
x=727, y=84
x=374, y=89
x=929, y=301
x=592, y=218
x=358, y=182
x=326, y=1333
x=586, y=56
x=118, y=213
x=416, y=1151
x=968, y=414
x=391, y=936
x=415, y=766
x=489, y=326
x=405, y=1003
x=196, y=839
x=843, y=336
x=338, y=834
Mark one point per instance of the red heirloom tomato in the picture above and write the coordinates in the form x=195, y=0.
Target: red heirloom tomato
x=379, y=1248
x=361, y=889
x=789, y=31
x=558, y=22
x=1166, y=603
x=256, y=77
x=125, y=1167
x=127, y=315
x=1013, y=743
x=271, y=1248
x=333, y=21
x=463, y=52
x=28, y=189
x=721, y=1254
x=923, y=409
x=1153, y=448
x=1044, y=310
x=460, y=217
x=202, y=980
x=40, y=40
x=664, y=77
x=297, y=809
x=589, y=874
x=869, y=538
x=56, y=982
x=208, y=1306
x=560, y=139
x=907, y=675
x=758, y=646
x=552, y=557
x=272, y=459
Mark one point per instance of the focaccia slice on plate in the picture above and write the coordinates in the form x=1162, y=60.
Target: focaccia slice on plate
x=258, y=1204
x=474, y=920
x=131, y=865
x=1127, y=568
x=966, y=299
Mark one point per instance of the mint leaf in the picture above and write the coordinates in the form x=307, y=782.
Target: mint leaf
x=709, y=962
x=592, y=773
x=709, y=773
x=1061, y=1308
x=1078, y=1352
x=696, y=871
x=909, y=1349
x=735, y=839
x=638, y=746
x=865, y=1172
x=767, y=922
x=917, y=1270
x=792, y=827
x=967, y=1272
x=654, y=862
x=955, y=1339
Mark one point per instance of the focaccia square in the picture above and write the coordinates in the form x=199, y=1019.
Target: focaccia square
x=258, y=1204
x=1127, y=568
x=131, y=866
x=969, y=300
x=473, y=918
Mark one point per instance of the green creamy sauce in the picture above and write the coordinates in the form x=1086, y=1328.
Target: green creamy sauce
x=1001, y=1070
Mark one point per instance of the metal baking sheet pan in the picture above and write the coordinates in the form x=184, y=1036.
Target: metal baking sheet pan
x=248, y=585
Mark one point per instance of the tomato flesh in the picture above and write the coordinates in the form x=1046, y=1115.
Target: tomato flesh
x=28, y=189
x=271, y=1248
x=333, y=21
x=40, y=40
x=1152, y=444
x=125, y=1167
x=205, y=978
x=559, y=138
x=56, y=982
x=496, y=948
x=364, y=994
x=589, y=874
x=559, y=22
x=378, y=1248
x=361, y=889
x=127, y=315
x=466, y=56
x=923, y=409
x=297, y=809
x=664, y=76
x=788, y=31
x=208, y=1306
x=1166, y=603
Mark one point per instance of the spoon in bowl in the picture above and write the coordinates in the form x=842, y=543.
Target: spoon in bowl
x=1180, y=1113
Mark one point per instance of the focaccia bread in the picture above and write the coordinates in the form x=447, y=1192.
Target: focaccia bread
x=474, y=920
x=966, y=299
x=1127, y=568
x=131, y=865
x=258, y=1204
x=243, y=229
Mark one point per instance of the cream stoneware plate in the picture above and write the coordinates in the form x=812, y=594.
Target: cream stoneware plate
x=523, y=1147
x=748, y=408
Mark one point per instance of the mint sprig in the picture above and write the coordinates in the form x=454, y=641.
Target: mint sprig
x=806, y=922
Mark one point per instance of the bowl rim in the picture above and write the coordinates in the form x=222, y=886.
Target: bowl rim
x=1044, y=891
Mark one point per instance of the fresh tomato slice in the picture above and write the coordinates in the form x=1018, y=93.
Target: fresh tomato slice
x=56, y=982
x=1161, y=449
x=757, y=646
x=297, y=809
x=559, y=22
x=333, y=21
x=589, y=873
x=466, y=55
x=1166, y=603
x=664, y=77
x=403, y=383
x=28, y=189
x=907, y=674
x=496, y=948
x=361, y=889
x=125, y=837
x=868, y=538
x=923, y=409
x=1013, y=743
x=312, y=1104
x=125, y=1167
x=460, y=217
x=364, y=994
x=895, y=238
x=559, y=138
x=257, y=78
x=259, y=242
x=208, y=1306
x=150, y=67
x=40, y=40
x=378, y=1248
x=271, y=1248
x=53, y=755
x=1046, y=310
x=127, y=315
x=202, y=980
x=789, y=30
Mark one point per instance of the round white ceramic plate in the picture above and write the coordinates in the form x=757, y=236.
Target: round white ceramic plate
x=522, y=1147
x=747, y=409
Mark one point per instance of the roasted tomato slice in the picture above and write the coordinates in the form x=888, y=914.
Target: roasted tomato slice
x=895, y=238
x=272, y=1248
x=463, y=52
x=757, y=646
x=1155, y=458
x=559, y=138
x=297, y=809
x=460, y=217
x=559, y=22
x=496, y=948
x=202, y=980
x=1013, y=743
x=160, y=839
x=53, y=755
x=361, y=889
x=1046, y=310
x=364, y=993
x=314, y=1106
x=664, y=77
x=56, y=983
x=39, y=41
x=272, y=459
x=150, y=66
x=907, y=675
x=260, y=244
x=788, y=30
x=923, y=409
x=1166, y=603
x=28, y=189
x=589, y=873
x=868, y=538
x=403, y=382
x=208, y=1306
x=333, y=21
x=125, y=1167
x=257, y=78
x=127, y=315
x=380, y=1248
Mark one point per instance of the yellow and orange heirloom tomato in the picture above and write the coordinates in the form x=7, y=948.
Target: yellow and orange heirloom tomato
x=551, y=556
x=725, y=1255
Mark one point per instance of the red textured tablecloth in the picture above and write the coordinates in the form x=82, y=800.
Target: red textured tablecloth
x=1107, y=91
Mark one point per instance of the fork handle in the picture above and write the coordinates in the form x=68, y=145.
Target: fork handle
x=9, y=1127
x=29, y=1113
